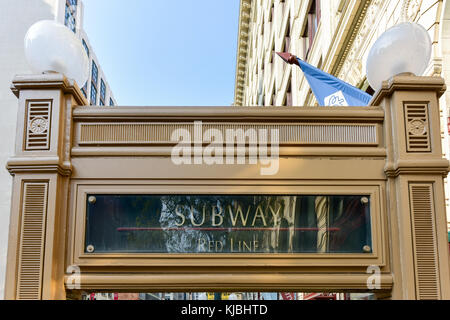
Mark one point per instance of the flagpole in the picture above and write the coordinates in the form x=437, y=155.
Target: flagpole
x=289, y=58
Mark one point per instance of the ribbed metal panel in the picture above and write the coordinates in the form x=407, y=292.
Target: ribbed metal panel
x=32, y=241
x=426, y=263
x=142, y=133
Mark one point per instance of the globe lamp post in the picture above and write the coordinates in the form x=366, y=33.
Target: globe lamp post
x=403, y=49
x=52, y=47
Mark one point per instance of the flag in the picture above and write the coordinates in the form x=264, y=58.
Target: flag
x=329, y=90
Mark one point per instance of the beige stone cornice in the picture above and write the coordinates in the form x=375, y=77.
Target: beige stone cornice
x=48, y=81
x=227, y=113
x=358, y=10
x=409, y=83
x=242, y=50
x=39, y=165
x=439, y=167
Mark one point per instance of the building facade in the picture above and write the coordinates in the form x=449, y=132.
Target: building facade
x=16, y=16
x=96, y=89
x=333, y=35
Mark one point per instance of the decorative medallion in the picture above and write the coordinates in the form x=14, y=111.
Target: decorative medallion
x=416, y=127
x=410, y=10
x=358, y=39
x=38, y=125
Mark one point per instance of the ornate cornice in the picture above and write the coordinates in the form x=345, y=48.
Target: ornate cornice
x=410, y=10
x=438, y=167
x=352, y=35
x=39, y=165
x=48, y=81
x=348, y=64
x=242, y=50
x=220, y=114
x=409, y=83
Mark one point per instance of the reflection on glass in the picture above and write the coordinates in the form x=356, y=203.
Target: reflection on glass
x=227, y=224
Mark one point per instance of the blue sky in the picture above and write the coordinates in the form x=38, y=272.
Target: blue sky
x=166, y=53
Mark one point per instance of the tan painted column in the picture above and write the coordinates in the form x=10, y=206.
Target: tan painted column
x=415, y=170
x=41, y=171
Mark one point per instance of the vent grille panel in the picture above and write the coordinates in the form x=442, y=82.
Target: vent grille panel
x=32, y=241
x=425, y=241
x=38, y=124
x=417, y=128
x=147, y=133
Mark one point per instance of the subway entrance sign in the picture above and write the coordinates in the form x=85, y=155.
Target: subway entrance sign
x=99, y=205
x=228, y=224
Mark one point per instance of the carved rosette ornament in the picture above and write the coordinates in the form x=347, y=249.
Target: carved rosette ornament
x=417, y=127
x=410, y=10
x=38, y=125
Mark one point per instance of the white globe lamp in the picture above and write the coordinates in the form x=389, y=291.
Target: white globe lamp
x=404, y=48
x=52, y=47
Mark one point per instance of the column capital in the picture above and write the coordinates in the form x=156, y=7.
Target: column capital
x=48, y=81
x=409, y=83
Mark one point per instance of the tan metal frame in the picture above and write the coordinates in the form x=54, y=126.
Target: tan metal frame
x=371, y=150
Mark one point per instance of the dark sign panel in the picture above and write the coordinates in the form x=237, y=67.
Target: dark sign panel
x=227, y=224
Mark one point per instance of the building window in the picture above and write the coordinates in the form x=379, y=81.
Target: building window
x=448, y=128
x=85, y=46
x=287, y=38
x=271, y=12
x=288, y=98
x=312, y=24
x=101, y=102
x=111, y=102
x=282, y=8
x=94, y=73
x=84, y=89
x=102, y=92
x=272, y=53
x=70, y=14
x=262, y=29
x=93, y=94
x=273, y=97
